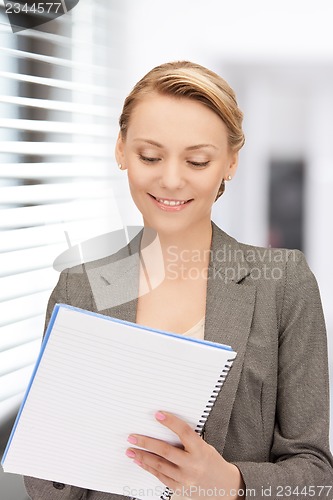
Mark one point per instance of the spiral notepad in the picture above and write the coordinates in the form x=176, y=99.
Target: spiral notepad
x=99, y=379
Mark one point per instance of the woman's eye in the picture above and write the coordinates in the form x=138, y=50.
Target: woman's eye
x=148, y=159
x=199, y=163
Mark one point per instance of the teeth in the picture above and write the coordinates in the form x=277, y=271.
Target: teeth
x=170, y=203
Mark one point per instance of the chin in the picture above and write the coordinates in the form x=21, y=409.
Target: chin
x=170, y=227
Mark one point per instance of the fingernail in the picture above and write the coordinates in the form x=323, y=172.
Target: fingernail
x=132, y=439
x=159, y=416
x=130, y=453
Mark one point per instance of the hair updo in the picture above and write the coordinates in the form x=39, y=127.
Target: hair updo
x=190, y=80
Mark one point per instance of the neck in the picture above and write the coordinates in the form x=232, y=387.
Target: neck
x=178, y=253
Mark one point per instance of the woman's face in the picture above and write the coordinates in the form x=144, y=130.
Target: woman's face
x=176, y=152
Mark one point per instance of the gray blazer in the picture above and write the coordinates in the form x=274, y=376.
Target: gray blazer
x=271, y=417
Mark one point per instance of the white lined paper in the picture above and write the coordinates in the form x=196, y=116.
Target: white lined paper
x=97, y=381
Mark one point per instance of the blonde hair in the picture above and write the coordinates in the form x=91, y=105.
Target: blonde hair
x=190, y=80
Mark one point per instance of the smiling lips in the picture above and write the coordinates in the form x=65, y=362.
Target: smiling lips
x=166, y=202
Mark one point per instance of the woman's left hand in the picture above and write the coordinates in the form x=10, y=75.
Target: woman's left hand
x=197, y=467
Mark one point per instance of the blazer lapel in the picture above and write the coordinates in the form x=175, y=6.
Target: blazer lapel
x=115, y=282
x=229, y=311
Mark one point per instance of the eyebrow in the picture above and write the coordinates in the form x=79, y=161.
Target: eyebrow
x=189, y=148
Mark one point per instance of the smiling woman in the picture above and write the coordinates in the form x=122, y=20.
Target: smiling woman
x=267, y=433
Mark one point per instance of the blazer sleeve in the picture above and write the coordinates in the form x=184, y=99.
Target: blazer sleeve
x=301, y=466
x=69, y=290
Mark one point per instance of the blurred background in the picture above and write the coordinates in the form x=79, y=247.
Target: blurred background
x=61, y=91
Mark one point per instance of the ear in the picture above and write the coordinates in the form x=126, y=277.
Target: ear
x=233, y=164
x=119, y=151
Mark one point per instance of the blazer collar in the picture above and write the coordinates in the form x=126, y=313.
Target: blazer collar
x=229, y=308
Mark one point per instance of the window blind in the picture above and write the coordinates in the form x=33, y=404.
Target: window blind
x=59, y=103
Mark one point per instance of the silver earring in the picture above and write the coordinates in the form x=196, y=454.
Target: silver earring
x=120, y=166
x=229, y=178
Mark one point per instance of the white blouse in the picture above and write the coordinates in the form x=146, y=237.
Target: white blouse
x=197, y=331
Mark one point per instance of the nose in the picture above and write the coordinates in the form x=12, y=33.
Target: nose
x=171, y=176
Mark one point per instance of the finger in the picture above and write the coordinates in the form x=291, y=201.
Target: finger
x=190, y=439
x=158, y=464
x=159, y=474
x=169, y=452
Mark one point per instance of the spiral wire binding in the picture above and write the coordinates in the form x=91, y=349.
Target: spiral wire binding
x=167, y=494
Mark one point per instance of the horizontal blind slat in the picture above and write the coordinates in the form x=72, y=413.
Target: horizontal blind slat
x=26, y=283
x=21, y=332
x=23, y=308
x=60, y=84
x=39, y=193
x=58, y=127
x=62, y=40
x=56, y=149
x=70, y=107
x=19, y=357
x=59, y=212
x=16, y=239
x=58, y=169
x=58, y=61
x=14, y=383
x=29, y=259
